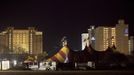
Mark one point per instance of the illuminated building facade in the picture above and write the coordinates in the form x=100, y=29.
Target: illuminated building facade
x=103, y=36
x=88, y=38
x=122, y=37
x=19, y=41
x=131, y=45
x=91, y=33
x=85, y=40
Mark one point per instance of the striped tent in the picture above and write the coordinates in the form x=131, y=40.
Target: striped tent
x=61, y=56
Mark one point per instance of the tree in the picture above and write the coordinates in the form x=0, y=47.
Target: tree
x=42, y=56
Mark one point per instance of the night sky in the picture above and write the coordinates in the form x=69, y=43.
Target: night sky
x=64, y=18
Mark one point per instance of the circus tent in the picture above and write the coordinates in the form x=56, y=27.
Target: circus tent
x=61, y=56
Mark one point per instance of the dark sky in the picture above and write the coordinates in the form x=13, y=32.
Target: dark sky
x=64, y=18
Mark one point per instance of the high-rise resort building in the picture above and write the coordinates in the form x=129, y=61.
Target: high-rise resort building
x=19, y=41
x=102, y=37
x=122, y=37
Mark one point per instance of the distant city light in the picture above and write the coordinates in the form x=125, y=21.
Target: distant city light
x=15, y=62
